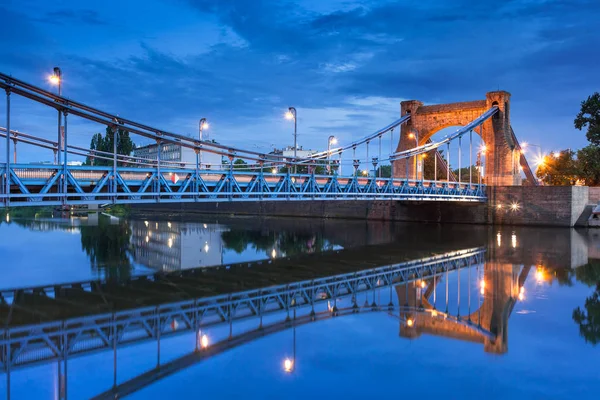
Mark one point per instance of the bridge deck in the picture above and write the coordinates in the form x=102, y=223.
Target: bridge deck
x=54, y=185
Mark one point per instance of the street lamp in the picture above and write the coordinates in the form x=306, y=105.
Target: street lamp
x=415, y=136
x=202, y=125
x=56, y=79
x=331, y=140
x=289, y=115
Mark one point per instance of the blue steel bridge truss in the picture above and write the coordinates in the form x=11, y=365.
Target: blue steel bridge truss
x=148, y=181
x=62, y=339
x=33, y=185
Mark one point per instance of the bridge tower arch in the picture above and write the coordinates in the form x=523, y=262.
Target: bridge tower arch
x=501, y=157
x=501, y=290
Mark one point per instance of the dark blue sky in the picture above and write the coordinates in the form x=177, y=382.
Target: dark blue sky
x=345, y=65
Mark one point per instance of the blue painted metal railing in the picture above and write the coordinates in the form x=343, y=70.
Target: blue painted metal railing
x=32, y=184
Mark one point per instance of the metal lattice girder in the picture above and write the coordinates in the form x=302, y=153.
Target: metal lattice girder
x=76, y=336
x=38, y=185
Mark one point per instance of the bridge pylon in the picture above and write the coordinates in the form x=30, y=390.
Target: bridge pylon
x=501, y=153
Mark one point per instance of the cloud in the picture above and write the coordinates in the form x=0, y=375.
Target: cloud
x=274, y=54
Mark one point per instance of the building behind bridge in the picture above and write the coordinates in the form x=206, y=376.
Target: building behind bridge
x=288, y=152
x=172, y=153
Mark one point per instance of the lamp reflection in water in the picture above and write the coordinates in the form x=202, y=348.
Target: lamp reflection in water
x=540, y=275
x=521, y=293
x=289, y=364
x=202, y=341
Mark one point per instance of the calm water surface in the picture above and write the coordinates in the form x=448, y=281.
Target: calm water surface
x=535, y=291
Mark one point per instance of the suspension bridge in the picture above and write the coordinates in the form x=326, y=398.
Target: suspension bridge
x=143, y=180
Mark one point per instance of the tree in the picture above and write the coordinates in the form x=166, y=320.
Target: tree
x=386, y=171
x=588, y=319
x=589, y=117
x=588, y=165
x=107, y=246
x=240, y=165
x=463, y=176
x=303, y=169
x=105, y=143
x=429, y=167
x=559, y=171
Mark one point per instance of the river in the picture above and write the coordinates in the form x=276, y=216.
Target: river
x=515, y=315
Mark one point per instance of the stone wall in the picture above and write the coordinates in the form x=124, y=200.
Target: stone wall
x=349, y=209
x=533, y=206
x=541, y=205
x=595, y=195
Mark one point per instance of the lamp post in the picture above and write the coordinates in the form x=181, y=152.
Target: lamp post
x=415, y=135
x=56, y=79
x=331, y=140
x=291, y=114
x=202, y=125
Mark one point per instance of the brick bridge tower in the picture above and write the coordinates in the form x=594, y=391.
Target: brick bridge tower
x=501, y=290
x=501, y=157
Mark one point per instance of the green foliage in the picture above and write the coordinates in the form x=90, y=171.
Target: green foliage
x=563, y=170
x=429, y=165
x=464, y=174
x=105, y=143
x=107, y=246
x=589, y=117
x=303, y=169
x=240, y=165
x=286, y=243
x=589, y=317
x=588, y=165
x=385, y=170
x=25, y=212
x=119, y=210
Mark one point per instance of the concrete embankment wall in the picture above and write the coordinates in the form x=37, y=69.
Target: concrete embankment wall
x=535, y=206
x=542, y=205
x=594, y=195
x=348, y=209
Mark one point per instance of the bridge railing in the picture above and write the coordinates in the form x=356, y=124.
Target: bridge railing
x=50, y=184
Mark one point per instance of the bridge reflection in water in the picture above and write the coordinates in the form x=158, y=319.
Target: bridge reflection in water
x=424, y=295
